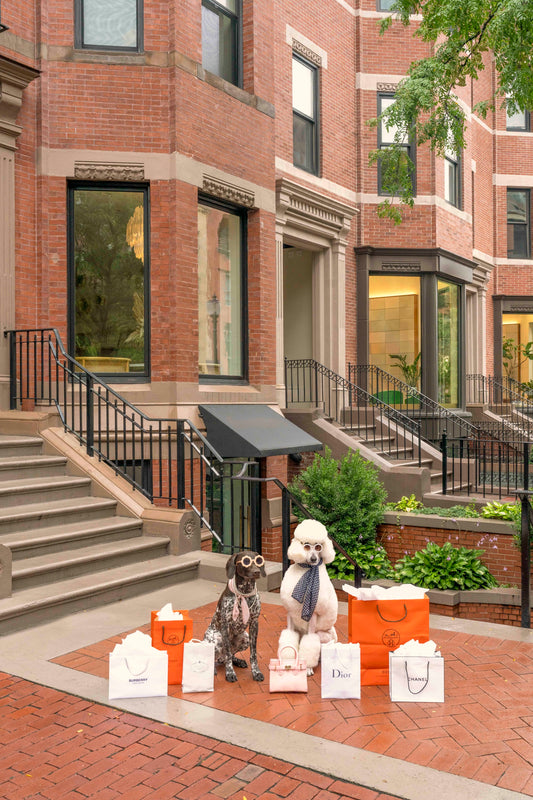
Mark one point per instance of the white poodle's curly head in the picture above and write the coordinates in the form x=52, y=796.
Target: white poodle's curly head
x=310, y=543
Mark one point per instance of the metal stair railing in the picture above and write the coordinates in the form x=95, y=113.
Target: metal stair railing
x=505, y=398
x=432, y=416
x=188, y=471
x=309, y=382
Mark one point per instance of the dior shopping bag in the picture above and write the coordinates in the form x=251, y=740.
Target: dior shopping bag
x=136, y=669
x=340, y=670
x=288, y=674
x=198, y=666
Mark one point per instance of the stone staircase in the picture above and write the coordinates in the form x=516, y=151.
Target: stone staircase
x=69, y=548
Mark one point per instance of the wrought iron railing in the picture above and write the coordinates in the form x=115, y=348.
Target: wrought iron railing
x=168, y=460
x=506, y=398
x=381, y=425
x=432, y=416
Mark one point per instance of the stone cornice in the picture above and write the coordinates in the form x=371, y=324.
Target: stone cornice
x=14, y=78
x=102, y=171
x=308, y=208
x=228, y=191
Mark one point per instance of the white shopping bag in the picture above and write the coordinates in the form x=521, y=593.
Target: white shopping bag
x=416, y=679
x=198, y=666
x=136, y=669
x=341, y=670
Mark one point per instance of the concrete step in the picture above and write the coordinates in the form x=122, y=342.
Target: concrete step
x=38, y=490
x=49, y=568
x=47, y=514
x=58, y=538
x=43, y=603
x=13, y=445
x=33, y=466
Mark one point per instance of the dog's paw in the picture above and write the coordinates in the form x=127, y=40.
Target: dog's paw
x=231, y=677
x=240, y=662
x=310, y=671
x=257, y=675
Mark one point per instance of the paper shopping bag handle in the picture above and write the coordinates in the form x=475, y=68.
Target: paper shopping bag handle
x=408, y=679
x=136, y=674
x=392, y=620
x=173, y=644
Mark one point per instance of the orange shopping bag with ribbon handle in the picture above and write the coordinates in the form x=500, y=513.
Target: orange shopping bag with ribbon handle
x=170, y=635
x=380, y=626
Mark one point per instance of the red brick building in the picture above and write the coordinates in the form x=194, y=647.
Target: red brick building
x=186, y=197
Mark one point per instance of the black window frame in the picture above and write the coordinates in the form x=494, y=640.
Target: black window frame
x=72, y=187
x=314, y=167
x=457, y=163
x=242, y=213
x=79, y=33
x=526, y=224
x=379, y=5
x=236, y=20
x=410, y=147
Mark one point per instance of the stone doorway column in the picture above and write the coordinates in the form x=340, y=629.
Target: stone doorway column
x=14, y=78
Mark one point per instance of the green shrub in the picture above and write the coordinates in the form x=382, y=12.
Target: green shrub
x=506, y=511
x=346, y=496
x=445, y=567
x=372, y=559
x=407, y=504
x=468, y=511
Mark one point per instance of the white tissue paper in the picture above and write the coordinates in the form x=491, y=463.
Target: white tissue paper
x=166, y=613
x=415, y=648
x=403, y=591
x=134, y=643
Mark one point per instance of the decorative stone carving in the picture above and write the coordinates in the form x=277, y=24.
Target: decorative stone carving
x=228, y=191
x=189, y=533
x=306, y=52
x=386, y=87
x=402, y=266
x=101, y=171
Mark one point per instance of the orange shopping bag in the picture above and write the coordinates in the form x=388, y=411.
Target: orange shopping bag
x=380, y=626
x=170, y=635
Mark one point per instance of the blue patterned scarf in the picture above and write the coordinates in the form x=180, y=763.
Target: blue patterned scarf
x=306, y=590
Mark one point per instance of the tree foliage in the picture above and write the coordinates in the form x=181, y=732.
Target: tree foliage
x=463, y=36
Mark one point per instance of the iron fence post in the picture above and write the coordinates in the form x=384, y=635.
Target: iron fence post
x=525, y=545
x=12, y=369
x=89, y=414
x=444, y=451
x=180, y=462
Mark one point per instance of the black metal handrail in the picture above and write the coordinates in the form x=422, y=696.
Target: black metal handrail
x=432, y=416
x=505, y=398
x=188, y=471
x=309, y=382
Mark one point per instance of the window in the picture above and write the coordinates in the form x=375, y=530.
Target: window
x=452, y=178
x=385, y=5
x=221, y=291
x=221, y=37
x=386, y=137
x=518, y=228
x=518, y=121
x=105, y=25
x=305, y=115
x=108, y=278
x=448, y=337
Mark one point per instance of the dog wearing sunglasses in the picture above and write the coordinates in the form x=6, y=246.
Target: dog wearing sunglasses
x=236, y=619
x=308, y=595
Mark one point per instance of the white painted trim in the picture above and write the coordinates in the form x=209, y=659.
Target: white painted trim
x=292, y=33
x=368, y=82
x=479, y=255
x=323, y=184
x=524, y=181
x=421, y=200
x=514, y=262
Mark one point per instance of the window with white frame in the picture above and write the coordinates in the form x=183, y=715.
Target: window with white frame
x=518, y=120
x=105, y=25
x=305, y=118
x=221, y=39
x=452, y=177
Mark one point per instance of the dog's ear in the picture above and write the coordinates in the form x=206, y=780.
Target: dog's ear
x=328, y=551
x=230, y=566
x=295, y=551
x=263, y=571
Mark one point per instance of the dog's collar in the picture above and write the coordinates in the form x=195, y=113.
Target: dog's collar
x=239, y=605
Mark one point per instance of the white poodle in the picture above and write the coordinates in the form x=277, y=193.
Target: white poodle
x=308, y=594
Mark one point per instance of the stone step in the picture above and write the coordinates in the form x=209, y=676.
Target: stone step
x=58, y=538
x=33, y=466
x=49, y=568
x=42, y=603
x=23, y=518
x=38, y=490
x=13, y=445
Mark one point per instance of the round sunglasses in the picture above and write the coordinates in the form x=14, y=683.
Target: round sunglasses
x=247, y=561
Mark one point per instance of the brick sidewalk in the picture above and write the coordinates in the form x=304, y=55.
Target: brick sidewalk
x=483, y=730
x=55, y=746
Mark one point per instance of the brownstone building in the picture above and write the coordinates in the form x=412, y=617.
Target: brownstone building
x=186, y=197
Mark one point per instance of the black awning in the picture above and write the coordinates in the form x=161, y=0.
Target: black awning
x=253, y=431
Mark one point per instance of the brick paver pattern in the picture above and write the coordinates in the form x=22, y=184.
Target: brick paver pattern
x=483, y=730
x=55, y=746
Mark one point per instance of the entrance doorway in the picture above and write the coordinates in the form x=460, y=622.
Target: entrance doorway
x=298, y=328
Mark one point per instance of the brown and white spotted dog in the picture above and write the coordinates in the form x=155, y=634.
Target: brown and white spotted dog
x=236, y=618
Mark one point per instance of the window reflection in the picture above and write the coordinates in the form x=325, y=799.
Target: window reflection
x=448, y=344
